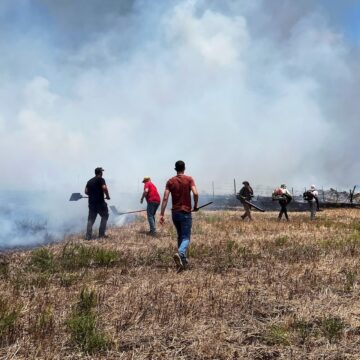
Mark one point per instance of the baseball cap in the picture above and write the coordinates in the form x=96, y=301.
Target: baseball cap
x=146, y=178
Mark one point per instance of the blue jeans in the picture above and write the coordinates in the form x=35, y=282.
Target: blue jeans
x=183, y=223
x=151, y=211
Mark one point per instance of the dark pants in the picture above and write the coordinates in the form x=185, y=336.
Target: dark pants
x=103, y=211
x=151, y=211
x=183, y=224
x=283, y=210
x=247, y=212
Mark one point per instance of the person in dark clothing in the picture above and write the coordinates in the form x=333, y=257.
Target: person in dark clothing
x=284, y=197
x=245, y=194
x=96, y=189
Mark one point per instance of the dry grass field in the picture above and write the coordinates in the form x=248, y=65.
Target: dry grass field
x=259, y=290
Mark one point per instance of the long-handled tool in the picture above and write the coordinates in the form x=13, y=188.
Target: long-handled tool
x=118, y=213
x=77, y=196
x=254, y=206
x=202, y=206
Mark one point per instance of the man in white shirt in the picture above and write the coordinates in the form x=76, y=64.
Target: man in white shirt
x=313, y=201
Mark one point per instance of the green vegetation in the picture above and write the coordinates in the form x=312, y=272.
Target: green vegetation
x=277, y=335
x=42, y=260
x=332, y=328
x=83, y=325
x=8, y=321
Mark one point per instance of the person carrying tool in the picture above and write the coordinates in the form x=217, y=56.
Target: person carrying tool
x=95, y=189
x=153, y=201
x=284, y=197
x=312, y=197
x=244, y=195
x=180, y=188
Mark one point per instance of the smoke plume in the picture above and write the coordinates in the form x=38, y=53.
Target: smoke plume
x=257, y=90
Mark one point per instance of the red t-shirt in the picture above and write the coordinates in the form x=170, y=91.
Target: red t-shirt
x=180, y=189
x=152, y=195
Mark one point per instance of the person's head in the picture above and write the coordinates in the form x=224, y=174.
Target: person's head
x=146, y=179
x=99, y=171
x=246, y=183
x=179, y=166
x=283, y=186
x=312, y=187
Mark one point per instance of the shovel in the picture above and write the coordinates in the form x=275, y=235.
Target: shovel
x=118, y=213
x=77, y=196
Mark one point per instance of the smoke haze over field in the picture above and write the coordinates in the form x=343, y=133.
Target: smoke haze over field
x=258, y=90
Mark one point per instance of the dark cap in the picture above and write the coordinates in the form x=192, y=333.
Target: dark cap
x=99, y=170
x=246, y=183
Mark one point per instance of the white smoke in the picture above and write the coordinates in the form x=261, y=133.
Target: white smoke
x=232, y=88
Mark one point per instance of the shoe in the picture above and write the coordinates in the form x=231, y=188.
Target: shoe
x=178, y=261
x=104, y=236
x=152, y=233
x=87, y=238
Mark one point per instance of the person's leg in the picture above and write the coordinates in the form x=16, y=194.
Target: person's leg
x=244, y=215
x=151, y=211
x=91, y=219
x=247, y=208
x=104, y=213
x=176, y=218
x=285, y=213
x=186, y=225
x=312, y=210
x=282, y=210
x=149, y=215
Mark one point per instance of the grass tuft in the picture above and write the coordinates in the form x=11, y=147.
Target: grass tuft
x=83, y=324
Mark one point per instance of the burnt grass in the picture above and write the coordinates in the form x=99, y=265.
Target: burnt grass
x=259, y=290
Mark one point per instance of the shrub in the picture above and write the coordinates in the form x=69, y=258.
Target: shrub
x=42, y=260
x=304, y=328
x=277, y=335
x=83, y=324
x=8, y=321
x=4, y=268
x=44, y=324
x=104, y=257
x=75, y=257
x=85, y=334
x=332, y=328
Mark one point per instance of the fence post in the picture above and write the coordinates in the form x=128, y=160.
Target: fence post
x=235, y=187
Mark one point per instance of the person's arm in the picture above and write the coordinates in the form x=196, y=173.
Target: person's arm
x=106, y=192
x=144, y=195
x=163, y=205
x=86, y=191
x=251, y=191
x=195, y=196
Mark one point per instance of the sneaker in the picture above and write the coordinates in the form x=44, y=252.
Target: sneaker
x=178, y=261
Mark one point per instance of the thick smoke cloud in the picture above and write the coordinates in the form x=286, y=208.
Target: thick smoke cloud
x=260, y=90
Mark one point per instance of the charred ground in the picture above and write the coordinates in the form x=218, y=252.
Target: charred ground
x=260, y=290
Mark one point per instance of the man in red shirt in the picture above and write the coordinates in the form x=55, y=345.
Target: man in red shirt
x=153, y=201
x=180, y=187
